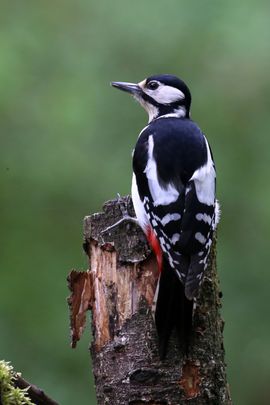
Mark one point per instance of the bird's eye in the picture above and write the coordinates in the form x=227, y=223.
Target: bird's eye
x=152, y=85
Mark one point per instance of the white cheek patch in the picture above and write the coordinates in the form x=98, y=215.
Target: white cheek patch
x=165, y=94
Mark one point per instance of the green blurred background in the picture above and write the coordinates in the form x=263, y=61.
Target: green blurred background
x=66, y=141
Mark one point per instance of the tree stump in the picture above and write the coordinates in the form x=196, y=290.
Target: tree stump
x=120, y=288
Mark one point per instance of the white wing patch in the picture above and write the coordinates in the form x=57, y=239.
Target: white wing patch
x=204, y=180
x=160, y=195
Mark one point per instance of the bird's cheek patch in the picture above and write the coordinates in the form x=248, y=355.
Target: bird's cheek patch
x=165, y=94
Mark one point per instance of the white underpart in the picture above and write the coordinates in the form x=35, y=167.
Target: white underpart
x=170, y=217
x=138, y=205
x=165, y=94
x=199, y=236
x=204, y=217
x=160, y=195
x=204, y=180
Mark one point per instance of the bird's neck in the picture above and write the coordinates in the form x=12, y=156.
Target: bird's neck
x=165, y=112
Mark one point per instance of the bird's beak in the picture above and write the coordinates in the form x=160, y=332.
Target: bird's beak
x=131, y=88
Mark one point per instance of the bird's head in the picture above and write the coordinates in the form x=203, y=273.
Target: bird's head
x=160, y=95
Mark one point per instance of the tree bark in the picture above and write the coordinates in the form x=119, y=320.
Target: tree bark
x=122, y=279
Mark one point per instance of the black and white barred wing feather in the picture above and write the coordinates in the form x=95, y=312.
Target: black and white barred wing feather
x=179, y=202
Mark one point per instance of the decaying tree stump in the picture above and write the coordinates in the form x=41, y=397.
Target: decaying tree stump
x=119, y=288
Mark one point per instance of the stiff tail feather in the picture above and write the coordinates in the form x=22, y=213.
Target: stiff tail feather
x=173, y=310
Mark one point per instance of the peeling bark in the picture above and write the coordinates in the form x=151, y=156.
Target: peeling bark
x=126, y=363
x=81, y=299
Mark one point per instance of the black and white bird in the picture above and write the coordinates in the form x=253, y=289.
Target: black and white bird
x=173, y=193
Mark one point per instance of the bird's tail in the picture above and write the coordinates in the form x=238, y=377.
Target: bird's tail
x=173, y=310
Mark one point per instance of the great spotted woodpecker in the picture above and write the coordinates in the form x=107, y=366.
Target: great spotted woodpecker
x=173, y=193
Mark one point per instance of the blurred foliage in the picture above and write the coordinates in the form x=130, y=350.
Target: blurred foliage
x=66, y=140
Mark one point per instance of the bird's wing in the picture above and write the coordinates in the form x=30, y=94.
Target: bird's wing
x=176, y=182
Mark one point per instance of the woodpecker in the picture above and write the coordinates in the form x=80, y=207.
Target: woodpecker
x=173, y=193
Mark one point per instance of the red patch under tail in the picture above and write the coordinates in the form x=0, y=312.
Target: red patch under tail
x=155, y=245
